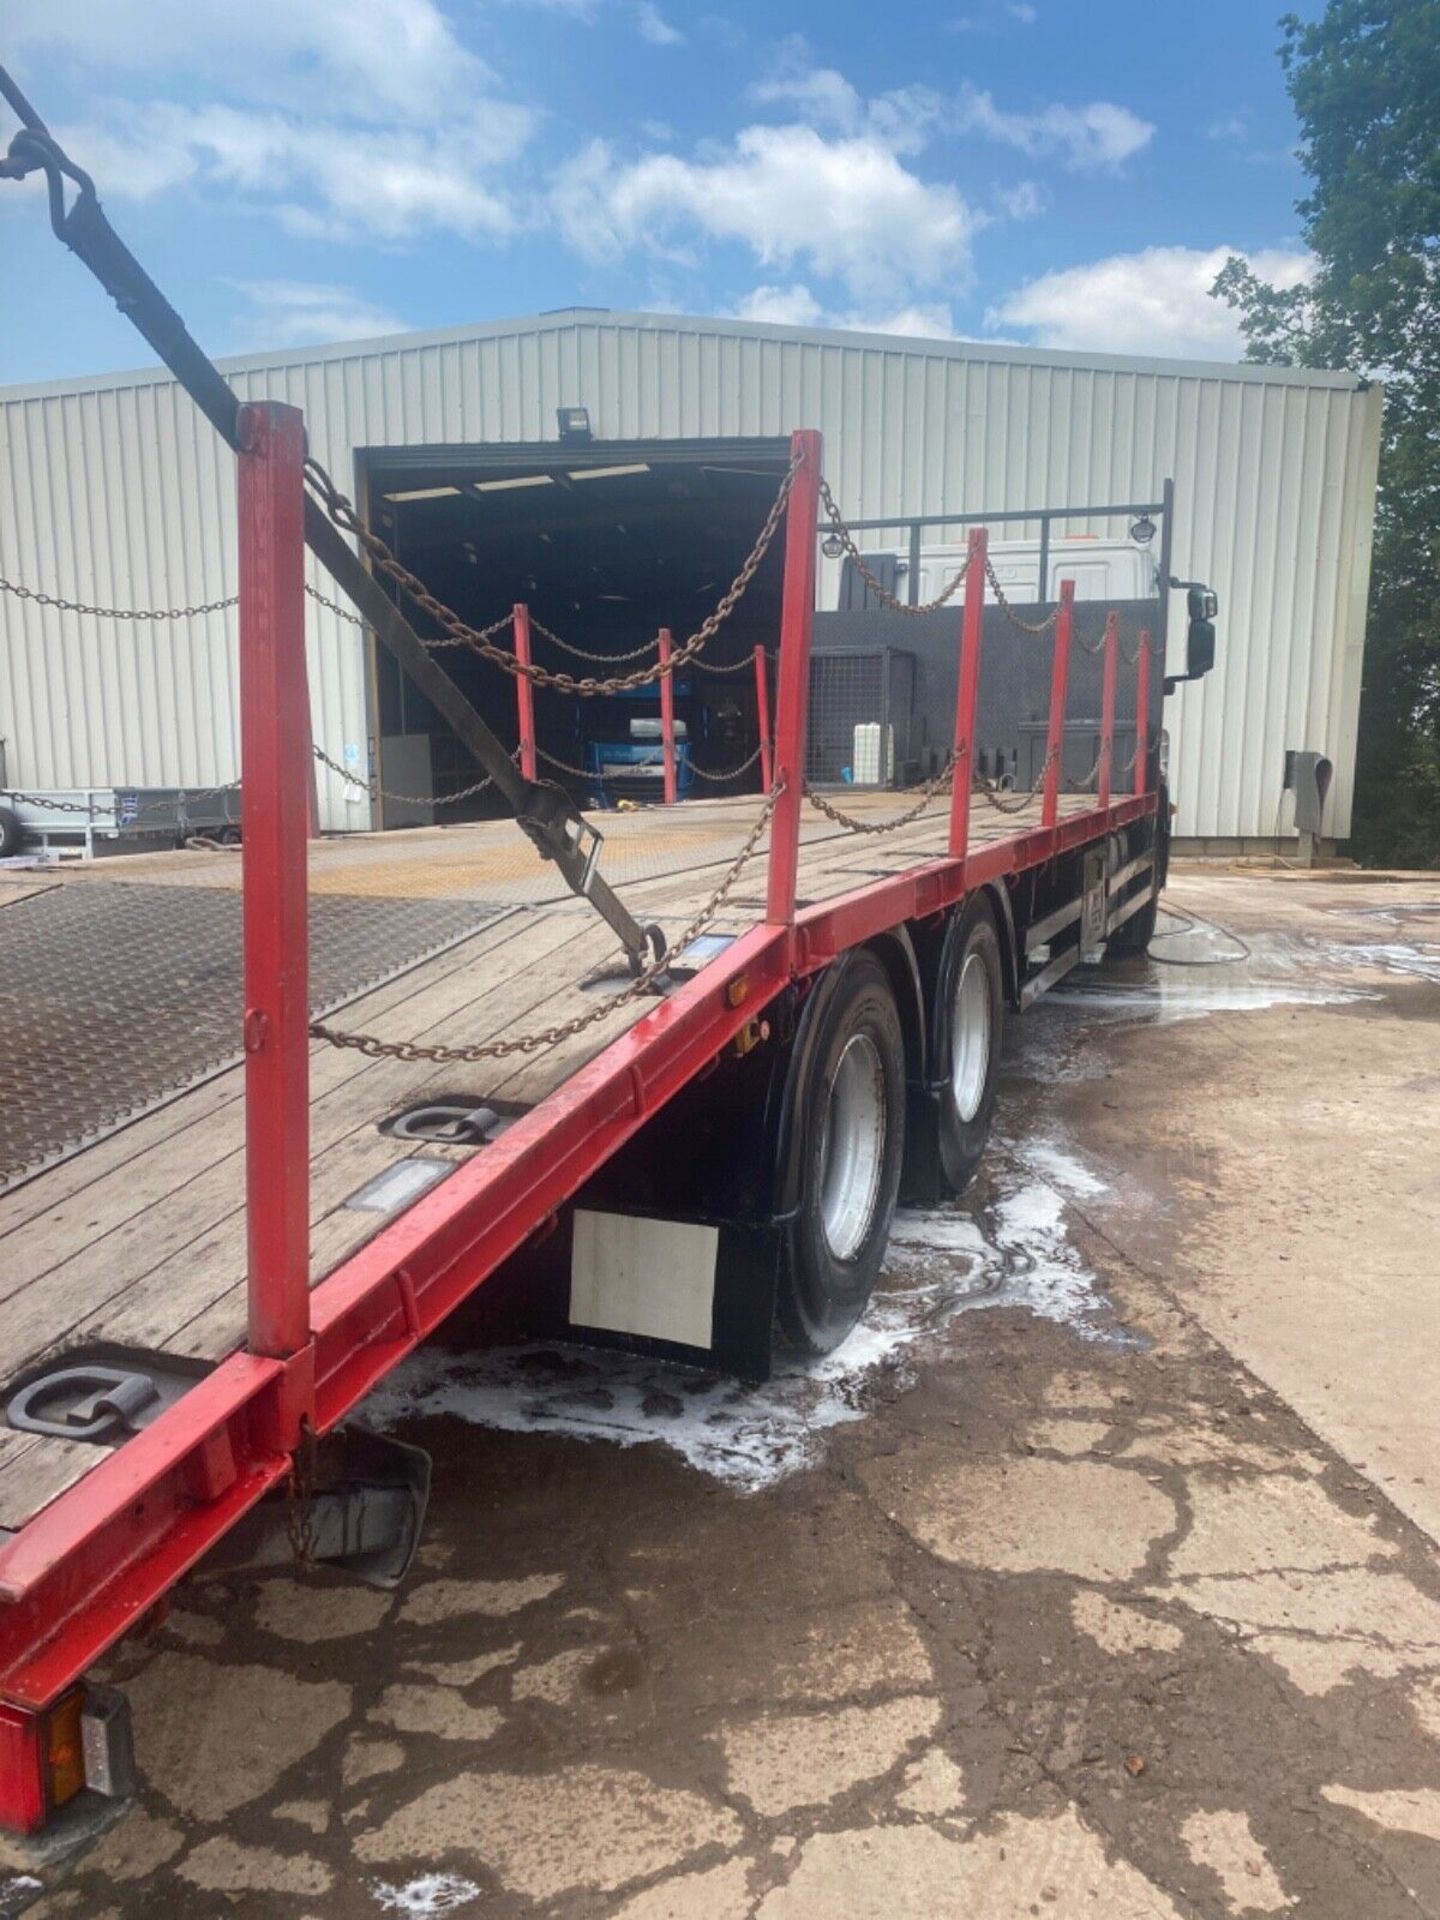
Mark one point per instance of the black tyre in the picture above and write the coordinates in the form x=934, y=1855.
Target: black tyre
x=1134, y=935
x=970, y=1009
x=12, y=834
x=848, y=1118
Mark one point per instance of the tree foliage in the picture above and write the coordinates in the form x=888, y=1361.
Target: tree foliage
x=1365, y=82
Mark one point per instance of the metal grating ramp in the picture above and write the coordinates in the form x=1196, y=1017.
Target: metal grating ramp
x=115, y=997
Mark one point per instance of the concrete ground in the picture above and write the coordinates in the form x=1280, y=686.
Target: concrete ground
x=1097, y=1577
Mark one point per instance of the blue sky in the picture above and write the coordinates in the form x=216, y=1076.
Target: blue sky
x=297, y=171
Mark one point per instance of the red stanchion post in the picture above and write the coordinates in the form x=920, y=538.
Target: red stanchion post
x=1107, y=708
x=275, y=762
x=1059, y=696
x=792, y=693
x=762, y=718
x=1142, y=717
x=972, y=625
x=524, y=691
x=667, y=716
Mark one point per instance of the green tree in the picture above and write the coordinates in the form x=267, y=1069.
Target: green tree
x=1365, y=82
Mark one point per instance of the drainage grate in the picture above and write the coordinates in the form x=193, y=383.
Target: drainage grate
x=113, y=998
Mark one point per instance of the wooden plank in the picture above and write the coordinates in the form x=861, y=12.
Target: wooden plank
x=199, y=1256
x=31, y=1479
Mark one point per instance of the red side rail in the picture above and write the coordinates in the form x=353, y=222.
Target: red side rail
x=524, y=692
x=762, y=719
x=275, y=761
x=1059, y=696
x=667, y=716
x=793, y=691
x=1142, y=716
x=972, y=626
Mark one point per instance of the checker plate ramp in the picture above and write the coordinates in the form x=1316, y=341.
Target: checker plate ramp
x=115, y=997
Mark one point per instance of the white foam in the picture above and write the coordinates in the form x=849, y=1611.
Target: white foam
x=941, y=1262
x=432, y=1895
x=1393, y=956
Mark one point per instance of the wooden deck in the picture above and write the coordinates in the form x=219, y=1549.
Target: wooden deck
x=139, y=1241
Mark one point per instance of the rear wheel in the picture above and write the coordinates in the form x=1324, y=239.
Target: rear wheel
x=972, y=1008
x=12, y=834
x=1135, y=934
x=849, y=1117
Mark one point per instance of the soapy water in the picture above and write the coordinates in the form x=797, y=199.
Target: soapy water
x=943, y=1262
x=427, y=1898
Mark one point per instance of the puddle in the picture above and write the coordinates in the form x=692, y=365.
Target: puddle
x=1014, y=1251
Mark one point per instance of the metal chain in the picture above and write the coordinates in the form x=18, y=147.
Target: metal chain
x=408, y=799
x=599, y=659
x=115, y=613
x=880, y=591
x=334, y=606
x=1022, y=797
x=57, y=806
x=343, y=513
x=410, y=1050
x=1079, y=786
x=300, y=1511
x=725, y=773
x=158, y=613
x=928, y=792
x=1026, y=626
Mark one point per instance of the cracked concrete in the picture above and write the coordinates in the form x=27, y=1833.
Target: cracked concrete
x=1133, y=1618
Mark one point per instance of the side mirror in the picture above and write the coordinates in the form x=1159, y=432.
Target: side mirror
x=1199, y=648
x=1202, y=604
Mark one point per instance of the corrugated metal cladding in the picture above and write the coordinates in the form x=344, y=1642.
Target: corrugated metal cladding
x=117, y=492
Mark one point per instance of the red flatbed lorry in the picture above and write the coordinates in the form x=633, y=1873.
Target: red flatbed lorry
x=692, y=1163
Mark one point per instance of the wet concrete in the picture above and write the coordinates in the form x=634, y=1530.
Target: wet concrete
x=1099, y=1577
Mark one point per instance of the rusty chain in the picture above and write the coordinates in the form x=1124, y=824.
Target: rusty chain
x=881, y=592
x=990, y=792
x=726, y=773
x=196, y=612
x=415, y=1051
x=597, y=659
x=342, y=512
x=928, y=792
x=1080, y=786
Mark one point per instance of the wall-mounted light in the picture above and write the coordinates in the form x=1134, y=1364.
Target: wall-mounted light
x=1143, y=531
x=832, y=546
x=574, y=424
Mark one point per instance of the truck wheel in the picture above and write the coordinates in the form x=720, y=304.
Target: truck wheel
x=1135, y=935
x=11, y=832
x=972, y=1011
x=850, y=1120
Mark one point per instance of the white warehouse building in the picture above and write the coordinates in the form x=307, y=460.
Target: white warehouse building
x=118, y=494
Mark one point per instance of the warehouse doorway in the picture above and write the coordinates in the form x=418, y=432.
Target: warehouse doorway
x=605, y=543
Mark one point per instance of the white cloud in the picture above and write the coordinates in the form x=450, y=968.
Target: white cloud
x=1097, y=135
x=1021, y=10
x=1026, y=200
x=1154, y=302
x=303, y=313
x=793, y=306
x=822, y=97
x=797, y=306
x=846, y=207
x=654, y=27
x=360, y=58
x=321, y=179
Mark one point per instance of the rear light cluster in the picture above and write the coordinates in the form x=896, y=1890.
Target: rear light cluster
x=48, y=1758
